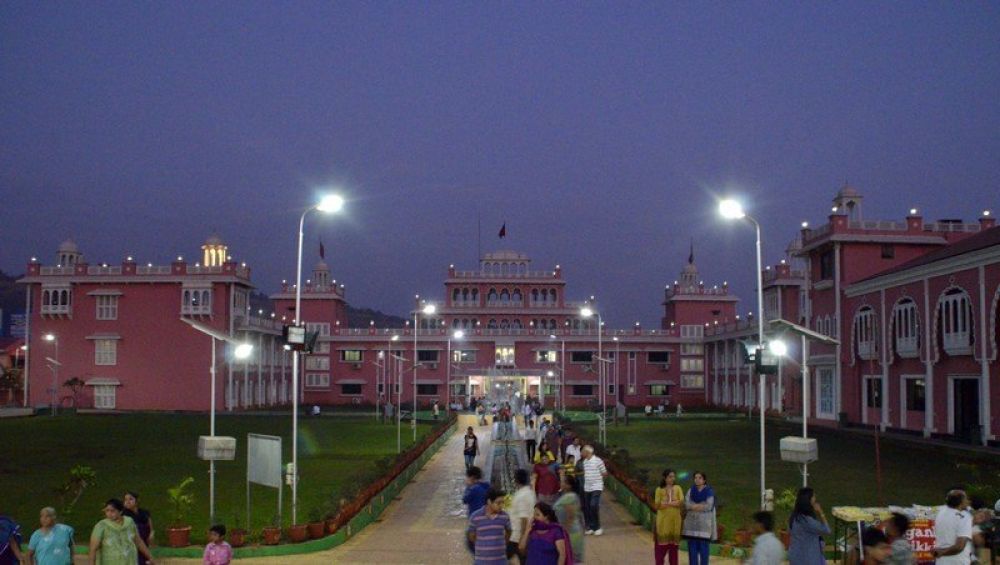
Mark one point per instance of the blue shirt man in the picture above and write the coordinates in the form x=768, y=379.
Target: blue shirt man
x=475, y=489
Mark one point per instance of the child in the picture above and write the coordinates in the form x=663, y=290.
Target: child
x=218, y=551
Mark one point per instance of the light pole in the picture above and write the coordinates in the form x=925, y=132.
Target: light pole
x=587, y=312
x=50, y=337
x=391, y=358
x=328, y=204
x=428, y=310
x=242, y=351
x=456, y=335
x=733, y=210
x=24, y=374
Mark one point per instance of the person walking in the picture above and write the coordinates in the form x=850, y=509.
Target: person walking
x=115, y=539
x=489, y=531
x=543, y=449
x=806, y=527
x=594, y=472
x=570, y=514
x=767, y=548
x=522, y=507
x=902, y=551
x=668, y=500
x=574, y=449
x=142, y=518
x=547, y=543
x=52, y=543
x=475, y=489
x=699, y=523
x=546, y=480
x=437, y=410
x=471, y=449
x=218, y=551
x=953, y=531
x=530, y=435
x=10, y=541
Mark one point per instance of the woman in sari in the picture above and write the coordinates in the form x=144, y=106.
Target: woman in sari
x=668, y=500
x=570, y=514
x=546, y=542
x=699, y=523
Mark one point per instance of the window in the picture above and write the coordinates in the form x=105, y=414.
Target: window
x=873, y=387
x=317, y=363
x=659, y=390
x=915, y=395
x=317, y=380
x=692, y=381
x=692, y=349
x=826, y=265
x=464, y=356
x=196, y=301
x=826, y=393
x=771, y=304
x=56, y=301
x=105, y=352
x=427, y=355
x=956, y=322
x=427, y=390
x=380, y=388
x=692, y=330
x=611, y=389
x=904, y=317
x=692, y=364
x=865, y=333
x=546, y=357
x=505, y=355
x=351, y=355
x=107, y=307
x=350, y=389
x=581, y=357
x=888, y=251
x=658, y=357
x=550, y=390
x=104, y=397
x=583, y=390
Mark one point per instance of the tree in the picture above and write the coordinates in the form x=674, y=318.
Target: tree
x=75, y=385
x=12, y=380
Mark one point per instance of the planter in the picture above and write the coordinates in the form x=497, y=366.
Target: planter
x=179, y=537
x=237, y=537
x=272, y=535
x=298, y=533
x=743, y=538
x=316, y=529
x=333, y=524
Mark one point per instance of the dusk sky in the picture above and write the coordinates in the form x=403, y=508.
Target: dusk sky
x=600, y=132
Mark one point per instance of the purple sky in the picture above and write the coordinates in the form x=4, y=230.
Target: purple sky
x=599, y=132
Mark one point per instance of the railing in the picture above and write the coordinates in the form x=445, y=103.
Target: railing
x=203, y=269
x=884, y=225
x=152, y=270
x=56, y=271
x=773, y=274
x=57, y=309
x=697, y=290
x=951, y=227
x=104, y=270
x=493, y=275
x=258, y=322
x=199, y=310
x=444, y=332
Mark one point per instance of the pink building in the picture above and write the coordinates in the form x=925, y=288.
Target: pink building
x=118, y=329
x=915, y=307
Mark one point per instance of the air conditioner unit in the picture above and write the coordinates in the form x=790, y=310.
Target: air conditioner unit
x=799, y=449
x=357, y=366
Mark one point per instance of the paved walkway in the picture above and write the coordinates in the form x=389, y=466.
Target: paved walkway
x=426, y=524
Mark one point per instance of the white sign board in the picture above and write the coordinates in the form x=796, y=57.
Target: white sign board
x=264, y=460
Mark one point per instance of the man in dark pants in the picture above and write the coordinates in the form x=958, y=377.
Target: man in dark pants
x=529, y=441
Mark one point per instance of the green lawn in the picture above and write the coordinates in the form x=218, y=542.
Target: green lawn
x=149, y=453
x=728, y=452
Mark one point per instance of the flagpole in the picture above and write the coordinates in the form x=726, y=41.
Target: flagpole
x=479, y=236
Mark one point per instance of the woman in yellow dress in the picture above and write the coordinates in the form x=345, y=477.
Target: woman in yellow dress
x=669, y=500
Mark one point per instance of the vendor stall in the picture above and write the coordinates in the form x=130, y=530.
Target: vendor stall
x=850, y=521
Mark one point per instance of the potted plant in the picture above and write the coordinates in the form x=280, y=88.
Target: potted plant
x=179, y=531
x=272, y=533
x=316, y=525
x=237, y=535
x=298, y=533
x=784, y=504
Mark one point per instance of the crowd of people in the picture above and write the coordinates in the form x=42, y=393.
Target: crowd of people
x=123, y=537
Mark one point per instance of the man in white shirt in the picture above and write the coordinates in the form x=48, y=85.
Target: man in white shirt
x=522, y=509
x=767, y=548
x=953, y=531
x=574, y=449
x=594, y=472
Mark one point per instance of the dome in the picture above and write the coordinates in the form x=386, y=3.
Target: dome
x=690, y=269
x=68, y=246
x=848, y=191
x=214, y=239
x=321, y=266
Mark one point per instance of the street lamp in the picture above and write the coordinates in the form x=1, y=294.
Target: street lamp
x=242, y=351
x=50, y=337
x=328, y=204
x=587, y=312
x=456, y=335
x=562, y=372
x=732, y=210
x=428, y=310
x=24, y=374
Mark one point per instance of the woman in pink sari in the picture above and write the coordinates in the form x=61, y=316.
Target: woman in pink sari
x=548, y=541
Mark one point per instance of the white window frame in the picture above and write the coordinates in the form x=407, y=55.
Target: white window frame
x=317, y=380
x=906, y=329
x=105, y=397
x=692, y=364
x=107, y=307
x=105, y=352
x=547, y=356
x=826, y=396
x=196, y=301
x=344, y=359
x=693, y=381
x=317, y=363
x=955, y=311
x=692, y=330
x=463, y=356
x=692, y=349
x=323, y=328
x=866, y=333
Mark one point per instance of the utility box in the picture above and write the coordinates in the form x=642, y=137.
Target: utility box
x=216, y=448
x=799, y=449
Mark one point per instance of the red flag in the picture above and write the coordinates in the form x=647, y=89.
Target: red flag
x=503, y=231
x=322, y=251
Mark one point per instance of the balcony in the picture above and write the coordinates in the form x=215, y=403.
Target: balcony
x=867, y=350
x=957, y=343
x=906, y=347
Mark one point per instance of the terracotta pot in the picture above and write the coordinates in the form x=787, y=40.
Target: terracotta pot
x=272, y=535
x=332, y=525
x=316, y=529
x=179, y=537
x=237, y=537
x=298, y=533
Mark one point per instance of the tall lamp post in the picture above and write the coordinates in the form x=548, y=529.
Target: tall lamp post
x=328, y=204
x=733, y=210
x=456, y=335
x=389, y=359
x=588, y=312
x=242, y=350
x=51, y=338
x=24, y=374
x=428, y=310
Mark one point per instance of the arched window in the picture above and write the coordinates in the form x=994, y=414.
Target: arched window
x=454, y=296
x=955, y=313
x=516, y=298
x=534, y=296
x=906, y=328
x=504, y=297
x=866, y=333
x=46, y=297
x=491, y=298
x=552, y=296
x=475, y=296
x=504, y=324
x=455, y=323
x=516, y=324
x=552, y=324
x=503, y=269
x=187, y=298
x=492, y=325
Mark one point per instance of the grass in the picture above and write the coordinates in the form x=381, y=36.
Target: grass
x=149, y=453
x=728, y=451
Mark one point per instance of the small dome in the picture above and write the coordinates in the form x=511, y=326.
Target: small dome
x=214, y=239
x=68, y=246
x=690, y=268
x=848, y=191
x=321, y=266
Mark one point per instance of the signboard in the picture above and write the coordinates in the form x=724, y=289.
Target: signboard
x=921, y=537
x=18, y=325
x=264, y=460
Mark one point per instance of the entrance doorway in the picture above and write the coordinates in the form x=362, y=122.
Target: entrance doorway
x=965, y=408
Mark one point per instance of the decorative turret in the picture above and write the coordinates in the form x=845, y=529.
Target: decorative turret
x=848, y=202
x=321, y=275
x=214, y=251
x=68, y=254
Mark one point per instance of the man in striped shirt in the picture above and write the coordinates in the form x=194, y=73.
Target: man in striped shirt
x=594, y=472
x=489, y=530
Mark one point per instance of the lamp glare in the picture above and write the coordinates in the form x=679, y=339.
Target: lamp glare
x=731, y=210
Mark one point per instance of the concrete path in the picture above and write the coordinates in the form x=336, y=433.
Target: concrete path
x=426, y=524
